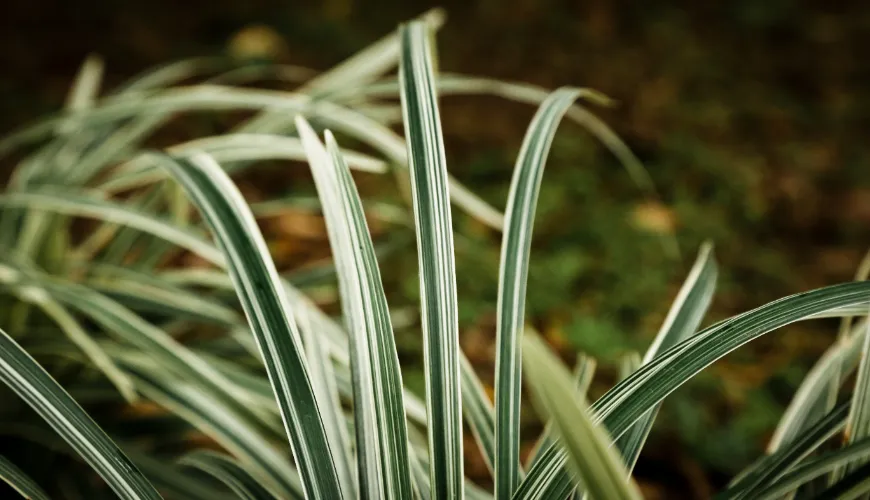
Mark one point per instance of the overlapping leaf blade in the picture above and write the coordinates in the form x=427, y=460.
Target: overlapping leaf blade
x=770, y=467
x=229, y=472
x=813, y=468
x=383, y=430
x=35, y=386
x=268, y=311
x=629, y=400
x=436, y=260
x=833, y=366
x=589, y=448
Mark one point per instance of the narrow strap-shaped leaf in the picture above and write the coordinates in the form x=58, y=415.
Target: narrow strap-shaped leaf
x=387, y=374
x=232, y=148
x=125, y=325
x=584, y=371
x=858, y=423
x=588, y=446
x=436, y=260
x=368, y=319
x=622, y=405
x=35, y=386
x=513, y=276
x=772, y=466
x=478, y=411
x=854, y=485
x=837, y=363
x=19, y=481
x=217, y=420
x=371, y=62
x=173, y=482
x=229, y=472
x=326, y=391
x=84, y=206
x=682, y=321
x=813, y=468
x=268, y=311
x=73, y=330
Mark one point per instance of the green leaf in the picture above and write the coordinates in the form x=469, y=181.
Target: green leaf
x=854, y=485
x=209, y=414
x=35, y=386
x=812, y=468
x=326, y=390
x=775, y=465
x=143, y=291
x=858, y=423
x=268, y=311
x=366, y=65
x=682, y=321
x=378, y=408
x=73, y=330
x=598, y=466
x=621, y=406
x=167, y=477
x=128, y=327
x=19, y=481
x=513, y=276
x=76, y=204
x=229, y=472
x=436, y=260
x=478, y=411
x=834, y=366
x=584, y=371
x=230, y=148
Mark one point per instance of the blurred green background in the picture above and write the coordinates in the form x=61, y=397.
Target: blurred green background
x=751, y=117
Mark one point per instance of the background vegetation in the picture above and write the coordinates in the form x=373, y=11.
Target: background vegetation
x=747, y=115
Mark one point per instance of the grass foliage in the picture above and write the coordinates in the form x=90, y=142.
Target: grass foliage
x=227, y=379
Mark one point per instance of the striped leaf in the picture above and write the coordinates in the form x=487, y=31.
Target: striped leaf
x=72, y=328
x=19, y=481
x=858, y=423
x=620, y=407
x=682, y=321
x=266, y=306
x=436, y=260
x=210, y=415
x=775, y=465
x=36, y=387
x=813, y=468
x=229, y=472
x=378, y=407
x=834, y=366
x=513, y=276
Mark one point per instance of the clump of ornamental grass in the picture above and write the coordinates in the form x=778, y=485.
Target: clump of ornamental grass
x=293, y=403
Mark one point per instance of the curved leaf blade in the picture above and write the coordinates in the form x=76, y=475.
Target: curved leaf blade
x=682, y=321
x=19, y=481
x=378, y=405
x=229, y=472
x=266, y=306
x=630, y=399
x=35, y=386
x=513, y=276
